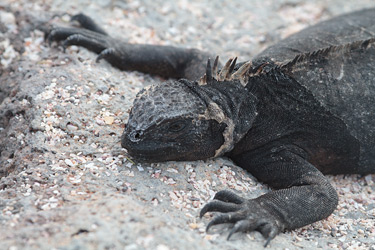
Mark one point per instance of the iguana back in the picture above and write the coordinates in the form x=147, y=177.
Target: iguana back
x=351, y=27
x=335, y=61
x=342, y=79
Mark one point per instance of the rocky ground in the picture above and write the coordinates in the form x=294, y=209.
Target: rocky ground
x=65, y=181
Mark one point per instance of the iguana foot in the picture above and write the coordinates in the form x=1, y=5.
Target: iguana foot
x=89, y=36
x=88, y=39
x=246, y=215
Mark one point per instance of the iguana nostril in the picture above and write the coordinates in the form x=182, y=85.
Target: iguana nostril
x=135, y=136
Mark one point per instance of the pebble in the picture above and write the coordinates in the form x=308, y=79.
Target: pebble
x=109, y=120
x=7, y=18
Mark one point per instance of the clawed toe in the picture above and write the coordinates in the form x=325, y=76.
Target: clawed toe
x=58, y=34
x=55, y=34
x=72, y=40
x=219, y=206
x=84, y=41
x=105, y=53
x=87, y=23
x=229, y=196
x=225, y=218
x=242, y=226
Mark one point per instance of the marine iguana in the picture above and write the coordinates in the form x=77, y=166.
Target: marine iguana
x=300, y=109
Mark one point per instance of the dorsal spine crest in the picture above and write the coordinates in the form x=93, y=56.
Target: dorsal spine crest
x=362, y=44
x=227, y=73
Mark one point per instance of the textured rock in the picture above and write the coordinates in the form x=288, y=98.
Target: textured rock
x=65, y=181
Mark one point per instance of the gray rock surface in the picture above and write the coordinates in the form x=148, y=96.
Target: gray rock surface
x=65, y=181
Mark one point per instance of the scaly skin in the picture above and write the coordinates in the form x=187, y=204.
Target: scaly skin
x=300, y=109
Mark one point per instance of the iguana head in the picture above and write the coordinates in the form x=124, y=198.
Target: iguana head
x=184, y=120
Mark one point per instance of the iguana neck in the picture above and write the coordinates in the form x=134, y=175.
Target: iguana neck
x=230, y=103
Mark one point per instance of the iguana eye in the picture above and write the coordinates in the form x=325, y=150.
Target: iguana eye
x=177, y=126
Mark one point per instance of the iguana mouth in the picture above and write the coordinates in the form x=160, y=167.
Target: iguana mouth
x=146, y=152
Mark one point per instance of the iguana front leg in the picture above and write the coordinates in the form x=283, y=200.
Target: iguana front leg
x=165, y=61
x=303, y=195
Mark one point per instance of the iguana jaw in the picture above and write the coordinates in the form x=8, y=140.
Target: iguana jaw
x=197, y=141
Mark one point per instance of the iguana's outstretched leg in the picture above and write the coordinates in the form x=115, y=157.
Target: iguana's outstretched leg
x=165, y=61
x=303, y=195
